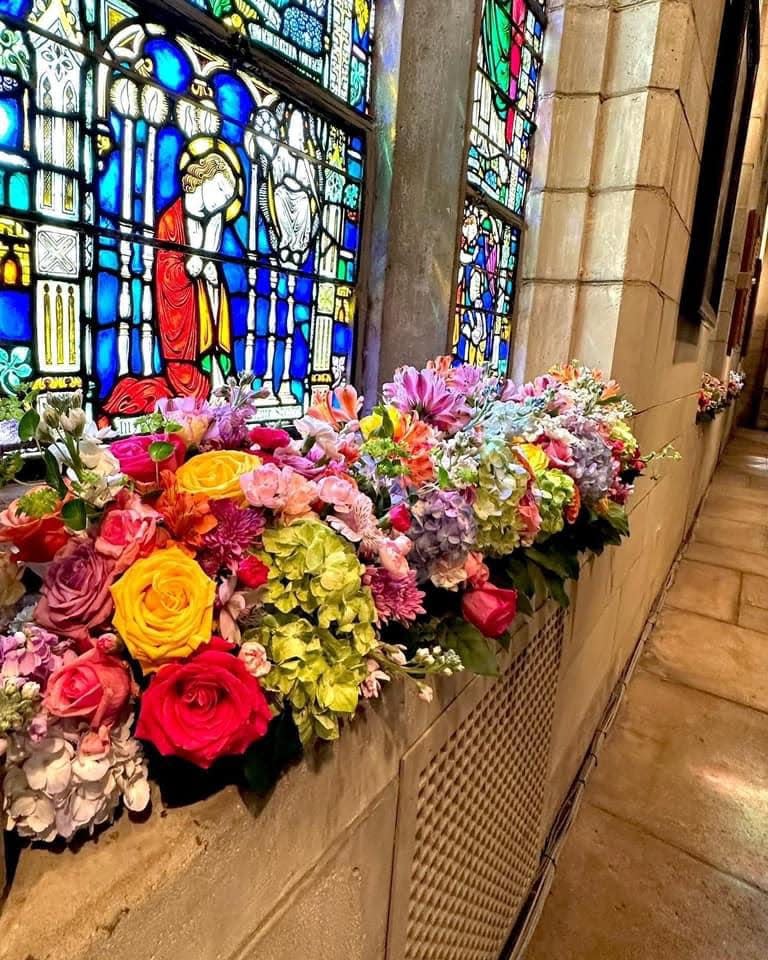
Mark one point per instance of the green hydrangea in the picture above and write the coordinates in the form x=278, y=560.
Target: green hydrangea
x=621, y=431
x=19, y=702
x=502, y=483
x=318, y=626
x=556, y=491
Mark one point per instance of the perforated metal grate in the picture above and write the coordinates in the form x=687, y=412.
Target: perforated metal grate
x=479, y=799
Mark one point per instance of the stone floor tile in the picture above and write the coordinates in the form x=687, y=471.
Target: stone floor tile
x=733, y=508
x=729, y=493
x=691, y=769
x=620, y=894
x=733, y=478
x=712, y=656
x=702, y=588
x=730, y=557
x=753, y=604
x=756, y=436
x=746, y=463
x=732, y=533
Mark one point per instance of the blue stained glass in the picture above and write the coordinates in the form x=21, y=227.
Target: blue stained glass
x=15, y=315
x=10, y=127
x=172, y=68
x=18, y=192
x=15, y=8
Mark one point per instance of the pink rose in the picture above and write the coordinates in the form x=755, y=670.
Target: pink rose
x=76, y=599
x=269, y=438
x=127, y=531
x=135, y=461
x=96, y=687
x=400, y=518
x=193, y=416
x=280, y=489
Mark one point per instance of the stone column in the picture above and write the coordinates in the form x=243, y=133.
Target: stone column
x=427, y=186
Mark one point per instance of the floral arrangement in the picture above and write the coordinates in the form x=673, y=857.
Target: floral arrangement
x=717, y=395
x=203, y=600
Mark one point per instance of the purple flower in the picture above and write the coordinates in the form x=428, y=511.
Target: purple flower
x=33, y=654
x=444, y=531
x=236, y=531
x=426, y=393
x=396, y=598
x=594, y=468
x=229, y=428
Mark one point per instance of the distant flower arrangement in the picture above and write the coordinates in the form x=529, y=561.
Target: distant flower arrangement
x=205, y=599
x=717, y=395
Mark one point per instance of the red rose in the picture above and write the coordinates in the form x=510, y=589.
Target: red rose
x=400, y=518
x=135, y=461
x=203, y=708
x=251, y=572
x=269, y=438
x=95, y=686
x=490, y=609
x=36, y=538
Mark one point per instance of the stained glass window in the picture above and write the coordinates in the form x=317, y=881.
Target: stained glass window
x=166, y=219
x=488, y=254
x=328, y=40
x=498, y=172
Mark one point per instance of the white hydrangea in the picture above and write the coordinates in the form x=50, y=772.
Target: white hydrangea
x=72, y=779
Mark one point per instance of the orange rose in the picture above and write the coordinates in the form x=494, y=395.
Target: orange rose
x=216, y=474
x=34, y=526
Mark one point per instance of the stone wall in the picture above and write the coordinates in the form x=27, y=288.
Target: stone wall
x=331, y=866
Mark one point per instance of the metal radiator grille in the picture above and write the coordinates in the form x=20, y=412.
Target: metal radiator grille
x=476, y=824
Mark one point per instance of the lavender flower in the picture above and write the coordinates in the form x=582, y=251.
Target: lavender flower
x=594, y=468
x=32, y=653
x=443, y=531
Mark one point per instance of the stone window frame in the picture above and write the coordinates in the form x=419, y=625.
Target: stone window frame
x=719, y=174
x=471, y=193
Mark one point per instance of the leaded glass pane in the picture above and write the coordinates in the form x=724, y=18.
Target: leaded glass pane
x=488, y=257
x=509, y=60
x=328, y=40
x=164, y=219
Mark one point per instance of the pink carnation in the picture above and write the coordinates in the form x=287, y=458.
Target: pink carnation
x=280, y=489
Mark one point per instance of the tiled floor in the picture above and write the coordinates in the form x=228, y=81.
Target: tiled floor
x=668, y=859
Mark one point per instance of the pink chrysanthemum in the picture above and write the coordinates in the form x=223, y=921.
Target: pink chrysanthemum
x=426, y=393
x=396, y=598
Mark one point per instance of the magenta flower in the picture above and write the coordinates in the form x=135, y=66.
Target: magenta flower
x=426, y=393
x=236, y=531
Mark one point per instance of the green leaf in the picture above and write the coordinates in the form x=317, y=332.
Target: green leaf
x=160, y=450
x=518, y=572
x=73, y=514
x=524, y=605
x=565, y=565
x=556, y=589
x=538, y=580
x=472, y=647
x=28, y=425
x=53, y=475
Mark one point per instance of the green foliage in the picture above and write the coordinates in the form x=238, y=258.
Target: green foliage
x=160, y=450
x=73, y=513
x=10, y=465
x=28, y=425
x=266, y=759
x=474, y=650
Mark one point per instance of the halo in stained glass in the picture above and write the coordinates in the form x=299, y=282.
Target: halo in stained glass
x=167, y=220
x=327, y=40
x=506, y=79
x=488, y=259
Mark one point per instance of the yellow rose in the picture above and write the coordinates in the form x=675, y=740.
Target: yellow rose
x=216, y=474
x=163, y=608
x=11, y=587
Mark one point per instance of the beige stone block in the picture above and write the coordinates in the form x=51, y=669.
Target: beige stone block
x=592, y=595
x=607, y=235
x=596, y=324
x=648, y=234
x=631, y=48
x=702, y=588
x=628, y=558
x=675, y=37
x=621, y=894
x=695, y=97
x=583, y=50
x=675, y=257
x=539, y=340
x=691, y=769
x=554, y=236
x=723, y=659
x=685, y=177
x=636, y=338
x=565, y=140
x=619, y=142
x=708, y=16
x=339, y=911
x=663, y=117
